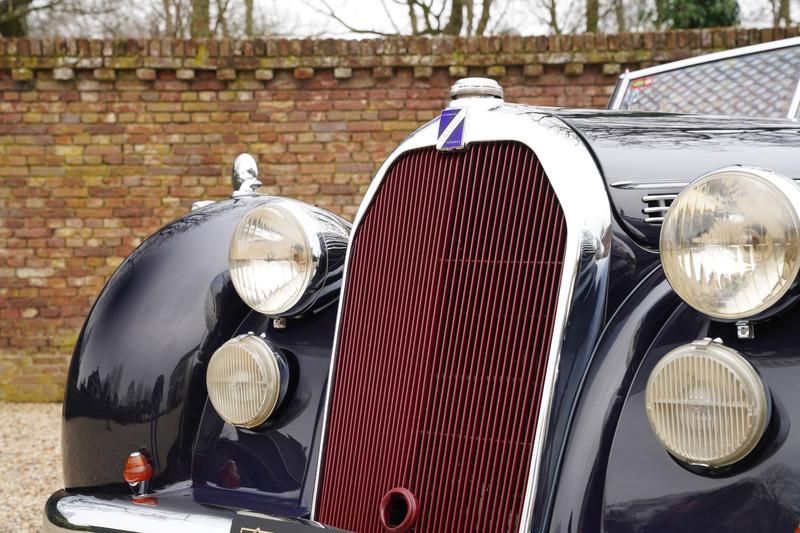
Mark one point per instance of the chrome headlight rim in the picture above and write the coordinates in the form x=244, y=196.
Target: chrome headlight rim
x=786, y=190
x=307, y=222
x=747, y=375
x=268, y=362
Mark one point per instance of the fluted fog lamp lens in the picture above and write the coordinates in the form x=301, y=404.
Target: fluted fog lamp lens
x=272, y=261
x=244, y=381
x=706, y=404
x=729, y=242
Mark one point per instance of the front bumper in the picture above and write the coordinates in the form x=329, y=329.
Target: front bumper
x=176, y=513
x=181, y=510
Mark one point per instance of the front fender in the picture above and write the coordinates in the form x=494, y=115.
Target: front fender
x=578, y=504
x=136, y=379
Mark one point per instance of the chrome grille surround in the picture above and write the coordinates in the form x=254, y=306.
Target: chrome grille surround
x=580, y=190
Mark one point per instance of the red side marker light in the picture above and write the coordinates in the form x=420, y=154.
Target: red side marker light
x=137, y=469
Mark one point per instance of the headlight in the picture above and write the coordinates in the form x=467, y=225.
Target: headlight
x=729, y=242
x=282, y=253
x=706, y=404
x=244, y=381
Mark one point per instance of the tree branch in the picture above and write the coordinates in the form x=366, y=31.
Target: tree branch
x=21, y=11
x=329, y=12
x=456, y=20
x=412, y=17
x=389, y=16
x=483, y=21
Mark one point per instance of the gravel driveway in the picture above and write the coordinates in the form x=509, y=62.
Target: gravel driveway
x=30, y=451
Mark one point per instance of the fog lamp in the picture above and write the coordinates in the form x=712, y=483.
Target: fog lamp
x=730, y=242
x=244, y=381
x=706, y=404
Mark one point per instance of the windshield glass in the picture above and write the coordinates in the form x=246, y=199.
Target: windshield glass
x=759, y=84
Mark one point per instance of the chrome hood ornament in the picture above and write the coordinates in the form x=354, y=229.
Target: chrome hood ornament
x=245, y=176
x=476, y=87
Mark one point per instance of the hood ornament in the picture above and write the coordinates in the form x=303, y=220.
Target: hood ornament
x=245, y=176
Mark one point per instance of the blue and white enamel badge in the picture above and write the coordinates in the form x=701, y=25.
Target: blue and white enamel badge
x=451, y=129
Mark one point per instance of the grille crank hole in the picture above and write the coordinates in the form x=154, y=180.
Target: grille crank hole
x=398, y=510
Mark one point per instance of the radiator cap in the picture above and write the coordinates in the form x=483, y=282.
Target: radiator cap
x=476, y=87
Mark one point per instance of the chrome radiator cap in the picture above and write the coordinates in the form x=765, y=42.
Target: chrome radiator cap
x=476, y=87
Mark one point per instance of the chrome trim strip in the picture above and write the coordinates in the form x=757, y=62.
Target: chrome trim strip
x=618, y=96
x=632, y=185
x=650, y=185
x=658, y=209
x=580, y=189
x=699, y=60
x=653, y=220
x=656, y=197
x=795, y=104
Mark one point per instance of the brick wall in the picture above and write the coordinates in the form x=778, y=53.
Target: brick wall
x=102, y=142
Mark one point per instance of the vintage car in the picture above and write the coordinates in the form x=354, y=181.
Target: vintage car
x=539, y=320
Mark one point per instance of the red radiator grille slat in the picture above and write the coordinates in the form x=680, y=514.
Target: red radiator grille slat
x=449, y=309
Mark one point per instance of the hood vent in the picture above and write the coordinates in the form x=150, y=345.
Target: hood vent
x=656, y=206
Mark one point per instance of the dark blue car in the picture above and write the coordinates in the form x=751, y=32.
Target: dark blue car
x=539, y=320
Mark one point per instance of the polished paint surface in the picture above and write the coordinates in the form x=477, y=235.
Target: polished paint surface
x=647, y=490
x=272, y=467
x=578, y=501
x=647, y=148
x=136, y=380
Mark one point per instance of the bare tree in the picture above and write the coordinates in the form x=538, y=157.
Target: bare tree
x=551, y=8
x=170, y=17
x=560, y=16
x=248, y=17
x=13, y=17
x=781, y=13
x=592, y=15
x=619, y=15
x=483, y=20
x=425, y=17
x=54, y=17
x=221, y=26
x=200, y=19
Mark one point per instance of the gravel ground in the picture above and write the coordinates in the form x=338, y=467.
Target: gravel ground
x=30, y=452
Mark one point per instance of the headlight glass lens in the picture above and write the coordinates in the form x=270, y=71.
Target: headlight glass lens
x=271, y=259
x=706, y=404
x=729, y=243
x=243, y=381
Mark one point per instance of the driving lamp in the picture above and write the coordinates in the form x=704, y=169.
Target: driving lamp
x=282, y=253
x=729, y=242
x=706, y=404
x=244, y=381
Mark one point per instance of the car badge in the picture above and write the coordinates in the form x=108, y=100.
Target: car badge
x=451, y=129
